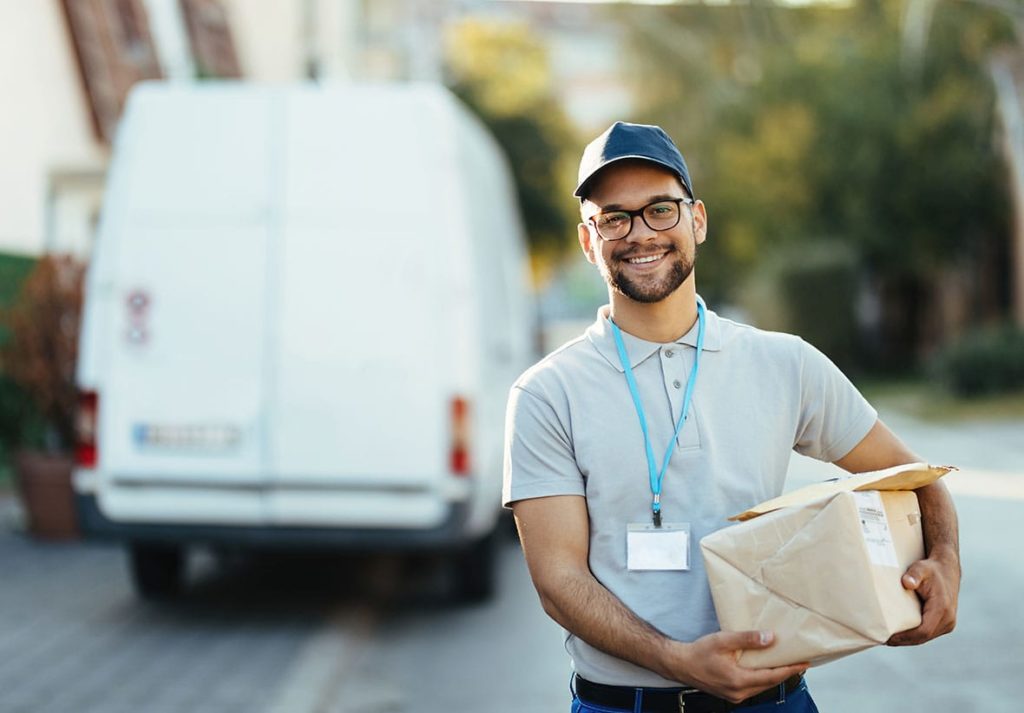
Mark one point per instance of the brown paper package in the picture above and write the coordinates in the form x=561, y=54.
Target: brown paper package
x=818, y=570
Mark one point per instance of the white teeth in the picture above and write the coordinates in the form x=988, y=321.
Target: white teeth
x=646, y=258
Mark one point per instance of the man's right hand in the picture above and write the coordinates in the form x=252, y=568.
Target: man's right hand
x=554, y=532
x=710, y=664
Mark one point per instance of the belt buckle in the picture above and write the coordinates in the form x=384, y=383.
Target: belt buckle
x=682, y=697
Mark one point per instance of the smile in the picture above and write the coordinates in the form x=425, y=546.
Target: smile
x=644, y=259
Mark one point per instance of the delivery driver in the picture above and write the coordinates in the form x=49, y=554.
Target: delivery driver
x=629, y=444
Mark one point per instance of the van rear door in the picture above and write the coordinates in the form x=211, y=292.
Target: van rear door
x=369, y=314
x=185, y=282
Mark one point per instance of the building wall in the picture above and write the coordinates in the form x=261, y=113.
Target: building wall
x=47, y=137
x=45, y=124
x=402, y=39
x=270, y=41
x=282, y=40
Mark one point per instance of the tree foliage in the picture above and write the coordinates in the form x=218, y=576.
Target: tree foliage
x=810, y=124
x=502, y=72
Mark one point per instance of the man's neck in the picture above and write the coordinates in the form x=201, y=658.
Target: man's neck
x=662, y=322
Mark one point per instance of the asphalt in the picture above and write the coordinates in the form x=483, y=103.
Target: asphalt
x=301, y=639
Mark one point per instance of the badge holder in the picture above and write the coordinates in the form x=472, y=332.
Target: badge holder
x=651, y=548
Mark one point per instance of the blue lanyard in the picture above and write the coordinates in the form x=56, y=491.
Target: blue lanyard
x=656, y=477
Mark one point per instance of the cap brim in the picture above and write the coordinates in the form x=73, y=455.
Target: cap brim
x=580, y=189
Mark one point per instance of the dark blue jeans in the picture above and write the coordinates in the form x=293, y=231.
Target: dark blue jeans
x=799, y=701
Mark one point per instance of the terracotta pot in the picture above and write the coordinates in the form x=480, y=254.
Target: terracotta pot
x=44, y=481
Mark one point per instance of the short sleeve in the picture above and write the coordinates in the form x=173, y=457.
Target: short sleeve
x=539, y=460
x=834, y=416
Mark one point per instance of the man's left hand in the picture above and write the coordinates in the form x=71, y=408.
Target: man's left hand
x=936, y=581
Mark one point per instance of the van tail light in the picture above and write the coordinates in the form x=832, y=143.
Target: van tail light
x=85, y=429
x=460, y=464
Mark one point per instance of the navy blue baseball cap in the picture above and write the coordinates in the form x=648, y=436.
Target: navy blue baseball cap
x=622, y=141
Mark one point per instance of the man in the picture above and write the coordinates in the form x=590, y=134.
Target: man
x=629, y=444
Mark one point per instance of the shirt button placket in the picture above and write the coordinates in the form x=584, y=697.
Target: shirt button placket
x=669, y=375
x=674, y=378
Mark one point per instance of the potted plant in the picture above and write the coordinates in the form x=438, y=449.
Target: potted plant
x=39, y=360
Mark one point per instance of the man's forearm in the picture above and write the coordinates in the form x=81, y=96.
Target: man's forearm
x=584, y=607
x=880, y=448
x=935, y=579
x=939, y=523
x=588, y=610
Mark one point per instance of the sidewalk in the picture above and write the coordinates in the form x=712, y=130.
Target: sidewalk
x=74, y=637
x=12, y=516
x=990, y=455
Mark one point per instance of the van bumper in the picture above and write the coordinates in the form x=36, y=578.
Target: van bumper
x=450, y=534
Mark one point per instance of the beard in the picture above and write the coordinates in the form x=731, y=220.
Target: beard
x=648, y=289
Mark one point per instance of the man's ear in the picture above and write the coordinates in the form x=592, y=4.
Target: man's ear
x=586, y=239
x=700, y=222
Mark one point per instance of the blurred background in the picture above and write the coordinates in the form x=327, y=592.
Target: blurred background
x=863, y=166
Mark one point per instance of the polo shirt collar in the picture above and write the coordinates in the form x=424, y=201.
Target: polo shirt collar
x=600, y=335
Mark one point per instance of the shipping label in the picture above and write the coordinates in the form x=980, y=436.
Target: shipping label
x=875, y=528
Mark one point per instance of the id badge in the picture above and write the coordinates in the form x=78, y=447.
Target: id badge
x=658, y=548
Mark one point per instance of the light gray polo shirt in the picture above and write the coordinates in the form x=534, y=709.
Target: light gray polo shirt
x=572, y=429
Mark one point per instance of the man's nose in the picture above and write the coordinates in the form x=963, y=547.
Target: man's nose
x=639, y=231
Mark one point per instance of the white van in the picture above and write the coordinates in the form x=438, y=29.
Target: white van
x=303, y=314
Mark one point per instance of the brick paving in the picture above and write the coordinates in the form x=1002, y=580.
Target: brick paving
x=75, y=639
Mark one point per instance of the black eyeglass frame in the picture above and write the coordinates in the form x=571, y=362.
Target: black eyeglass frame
x=592, y=220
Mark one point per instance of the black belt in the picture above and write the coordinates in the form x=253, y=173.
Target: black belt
x=674, y=700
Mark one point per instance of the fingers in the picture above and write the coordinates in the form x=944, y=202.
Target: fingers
x=753, y=681
x=938, y=613
x=763, y=678
x=737, y=640
x=733, y=682
x=937, y=618
x=916, y=575
x=910, y=637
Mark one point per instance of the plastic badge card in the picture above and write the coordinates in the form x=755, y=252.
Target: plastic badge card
x=658, y=548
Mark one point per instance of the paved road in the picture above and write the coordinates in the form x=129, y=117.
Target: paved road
x=428, y=657
x=74, y=638
x=508, y=657
x=330, y=635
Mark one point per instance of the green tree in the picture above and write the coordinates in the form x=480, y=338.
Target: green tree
x=502, y=72
x=804, y=125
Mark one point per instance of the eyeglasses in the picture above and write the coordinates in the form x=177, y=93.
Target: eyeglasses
x=660, y=215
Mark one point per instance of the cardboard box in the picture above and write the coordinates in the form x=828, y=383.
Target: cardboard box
x=821, y=566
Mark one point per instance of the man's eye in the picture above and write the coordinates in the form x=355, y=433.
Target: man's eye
x=611, y=220
x=661, y=209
